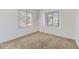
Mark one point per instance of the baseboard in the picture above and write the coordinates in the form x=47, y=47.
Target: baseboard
x=17, y=37
x=57, y=35
x=13, y=38
x=43, y=33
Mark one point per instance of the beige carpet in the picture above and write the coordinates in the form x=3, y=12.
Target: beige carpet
x=39, y=41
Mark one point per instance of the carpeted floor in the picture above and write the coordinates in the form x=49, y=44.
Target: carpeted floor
x=39, y=41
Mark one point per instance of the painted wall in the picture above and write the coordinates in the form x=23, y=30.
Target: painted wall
x=67, y=23
x=77, y=27
x=9, y=25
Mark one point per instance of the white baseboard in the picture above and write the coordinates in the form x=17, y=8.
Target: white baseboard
x=16, y=36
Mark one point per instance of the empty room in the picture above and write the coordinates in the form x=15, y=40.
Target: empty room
x=39, y=29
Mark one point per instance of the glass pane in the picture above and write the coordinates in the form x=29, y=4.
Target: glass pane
x=25, y=18
x=55, y=19
x=52, y=19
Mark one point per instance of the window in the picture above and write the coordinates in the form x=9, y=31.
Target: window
x=25, y=18
x=52, y=19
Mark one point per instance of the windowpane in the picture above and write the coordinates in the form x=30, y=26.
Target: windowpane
x=25, y=18
x=52, y=19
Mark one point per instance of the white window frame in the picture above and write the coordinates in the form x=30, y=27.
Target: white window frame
x=23, y=21
x=52, y=18
x=59, y=21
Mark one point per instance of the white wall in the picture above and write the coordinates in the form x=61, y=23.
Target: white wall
x=67, y=22
x=77, y=27
x=9, y=25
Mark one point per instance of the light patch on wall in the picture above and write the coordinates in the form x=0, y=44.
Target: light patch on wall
x=25, y=18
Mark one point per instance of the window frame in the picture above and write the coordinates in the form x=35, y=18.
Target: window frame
x=27, y=25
